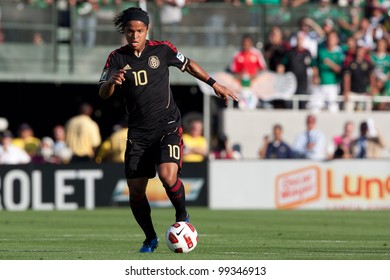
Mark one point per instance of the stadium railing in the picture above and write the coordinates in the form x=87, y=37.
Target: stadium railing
x=365, y=99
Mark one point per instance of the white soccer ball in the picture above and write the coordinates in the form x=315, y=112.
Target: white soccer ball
x=181, y=237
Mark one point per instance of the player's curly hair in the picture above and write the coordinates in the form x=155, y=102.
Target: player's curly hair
x=132, y=13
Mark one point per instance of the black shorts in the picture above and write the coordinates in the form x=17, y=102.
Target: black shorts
x=145, y=152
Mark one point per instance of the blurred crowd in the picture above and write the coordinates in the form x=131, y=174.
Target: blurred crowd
x=79, y=141
x=332, y=52
x=357, y=141
x=335, y=48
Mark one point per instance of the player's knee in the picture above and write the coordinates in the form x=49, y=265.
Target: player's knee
x=168, y=179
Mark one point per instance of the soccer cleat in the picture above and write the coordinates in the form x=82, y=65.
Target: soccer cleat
x=149, y=245
x=187, y=219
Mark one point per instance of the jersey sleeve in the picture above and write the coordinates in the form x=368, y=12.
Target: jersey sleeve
x=175, y=58
x=110, y=67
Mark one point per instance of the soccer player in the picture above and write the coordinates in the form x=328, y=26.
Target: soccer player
x=139, y=71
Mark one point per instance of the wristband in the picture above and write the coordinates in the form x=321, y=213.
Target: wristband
x=210, y=82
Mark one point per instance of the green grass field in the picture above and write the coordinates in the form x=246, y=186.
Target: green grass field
x=112, y=234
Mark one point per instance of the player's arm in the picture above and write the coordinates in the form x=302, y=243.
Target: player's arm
x=198, y=72
x=107, y=88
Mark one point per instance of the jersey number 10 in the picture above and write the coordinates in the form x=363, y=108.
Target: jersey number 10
x=174, y=151
x=140, y=78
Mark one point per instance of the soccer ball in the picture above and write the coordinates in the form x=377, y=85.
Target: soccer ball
x=181, y=237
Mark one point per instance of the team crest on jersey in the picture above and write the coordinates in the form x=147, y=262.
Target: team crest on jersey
x=154, y=62
x=104, y=75
x=180, y=57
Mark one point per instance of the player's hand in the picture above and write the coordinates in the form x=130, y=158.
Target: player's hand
x=224, y=93
x=118, y=78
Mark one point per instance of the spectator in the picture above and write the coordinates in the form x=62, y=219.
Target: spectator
x=322, y=11
x=312, y=31
x=383, y=85
x=45, y=153
x=349, y=24
x=113, y=148
x=82, y=135
x=325, y=10
x=215, y=24
x=369, y=143
x=298, y=60
x=376, y=18
x=248, y=61
x=326, y=75
x=381, y=59
x=280, y=13
x=86, y=22
x=275, y=48
x=236, y=150
x=277, y=148
x=340, y=146
x=246, y=64
x=310, y=143
x=358, y=80
x=26, y=139
x=195, y=144
x=40, y=8
x=349, y=49
x=61, y=151
x=10, y=153
x=365, y=35
x=223, y=150
x=170, y=16
x=327, y=27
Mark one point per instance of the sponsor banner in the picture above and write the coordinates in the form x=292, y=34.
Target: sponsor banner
x=297, y=187
x=300, y=184
x=194, y=178
x=75, y=186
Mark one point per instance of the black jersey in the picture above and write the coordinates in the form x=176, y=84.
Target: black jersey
x=146, y=90
x=297, y=62
x=360, y=72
